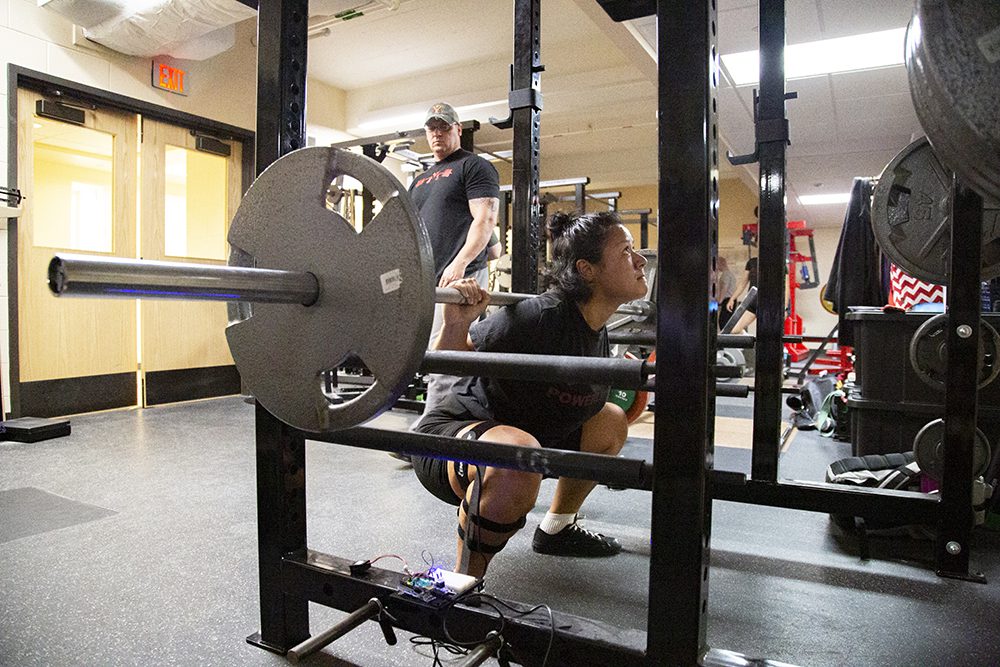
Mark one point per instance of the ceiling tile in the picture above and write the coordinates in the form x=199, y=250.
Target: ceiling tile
x=870, y=83
x=853, y=17
x=893, y=107
x=738, y=29
x=802, y=22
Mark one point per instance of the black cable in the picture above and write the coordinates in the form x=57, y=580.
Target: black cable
x=521, y=613
x=450, y=606
x=436, y=646
x=488, y=600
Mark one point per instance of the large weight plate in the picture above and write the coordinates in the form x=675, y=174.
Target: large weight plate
x=953, y=63
x=929, y=353
x=376, y=290
x=911, y=216
x=928, y=448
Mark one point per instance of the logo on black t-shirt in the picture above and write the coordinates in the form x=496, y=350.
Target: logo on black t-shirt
x=573, y=398
x=444, y=173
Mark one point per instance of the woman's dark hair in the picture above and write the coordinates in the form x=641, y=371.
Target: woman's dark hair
x=576, y=236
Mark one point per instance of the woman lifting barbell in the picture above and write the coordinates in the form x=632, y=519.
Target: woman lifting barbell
x=595, y=270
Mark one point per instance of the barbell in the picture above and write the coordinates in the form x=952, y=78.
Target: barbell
x=307, y=293
x=90, y=275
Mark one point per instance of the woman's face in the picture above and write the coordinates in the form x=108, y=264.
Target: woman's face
x=619, y=276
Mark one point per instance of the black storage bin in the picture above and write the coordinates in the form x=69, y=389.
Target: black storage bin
x=880, y=427
x=882, y=366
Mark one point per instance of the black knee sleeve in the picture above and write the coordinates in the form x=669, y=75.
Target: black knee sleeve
x=486, y=524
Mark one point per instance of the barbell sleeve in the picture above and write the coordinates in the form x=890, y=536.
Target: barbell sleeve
x=732, y=389
x=82, y=275
x=735, y=341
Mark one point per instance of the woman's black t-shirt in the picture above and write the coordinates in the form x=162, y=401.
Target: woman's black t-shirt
x=548, y=324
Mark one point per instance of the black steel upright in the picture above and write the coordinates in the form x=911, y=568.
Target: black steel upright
x=772, y=137
x=525, y=105
x=503, y=220
x=281, y=78
x=685, y=387
x=955, y=519
x=281, y=498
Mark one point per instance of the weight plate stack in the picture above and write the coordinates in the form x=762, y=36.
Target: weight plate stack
x=953, y=63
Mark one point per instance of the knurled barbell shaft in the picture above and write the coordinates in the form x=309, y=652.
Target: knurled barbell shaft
x=82, y=275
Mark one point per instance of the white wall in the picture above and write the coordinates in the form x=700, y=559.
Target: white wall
x=815, y=320
x=222, y=88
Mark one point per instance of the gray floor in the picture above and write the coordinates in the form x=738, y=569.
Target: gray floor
x=133, y=542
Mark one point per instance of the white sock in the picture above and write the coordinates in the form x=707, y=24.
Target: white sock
x=553, y=523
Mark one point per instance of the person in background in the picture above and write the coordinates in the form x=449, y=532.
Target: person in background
x=725, y=285
x=748, y=280
x=458, y=199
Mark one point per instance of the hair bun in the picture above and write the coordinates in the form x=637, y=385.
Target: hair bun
x=558, y=223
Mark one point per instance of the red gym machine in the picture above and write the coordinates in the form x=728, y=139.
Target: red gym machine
x=803, y=273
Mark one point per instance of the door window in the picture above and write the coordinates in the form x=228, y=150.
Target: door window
x=74, y=187
x=195, y=204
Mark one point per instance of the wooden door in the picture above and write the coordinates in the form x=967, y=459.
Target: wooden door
x=189, y=196
x=79, y=183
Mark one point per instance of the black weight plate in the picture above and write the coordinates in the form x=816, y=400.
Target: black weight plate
x=929, y=353
x=911, y=216
x=953, y=63
x=928, y=448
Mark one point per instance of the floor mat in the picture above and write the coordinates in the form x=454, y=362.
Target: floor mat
x=729, y=431
x=30, y=511
x=734, y=459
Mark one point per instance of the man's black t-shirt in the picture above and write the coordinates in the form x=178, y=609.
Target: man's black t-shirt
x=547, y=324
x=442, y=195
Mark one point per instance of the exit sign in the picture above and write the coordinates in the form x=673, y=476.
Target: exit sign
x=169, y=78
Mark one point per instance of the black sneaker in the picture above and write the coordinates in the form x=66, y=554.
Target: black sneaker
x=575, y=541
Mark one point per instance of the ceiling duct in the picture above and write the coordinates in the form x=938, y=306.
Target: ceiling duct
x=186, y=29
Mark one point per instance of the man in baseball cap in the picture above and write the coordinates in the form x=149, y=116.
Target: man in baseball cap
x=459, y=199
x=442, y=111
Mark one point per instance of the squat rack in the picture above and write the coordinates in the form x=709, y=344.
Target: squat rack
x=683, y=483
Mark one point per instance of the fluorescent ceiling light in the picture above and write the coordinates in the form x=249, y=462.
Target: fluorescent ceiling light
x=415, y=119
x=842, y=54
x=819, y=200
